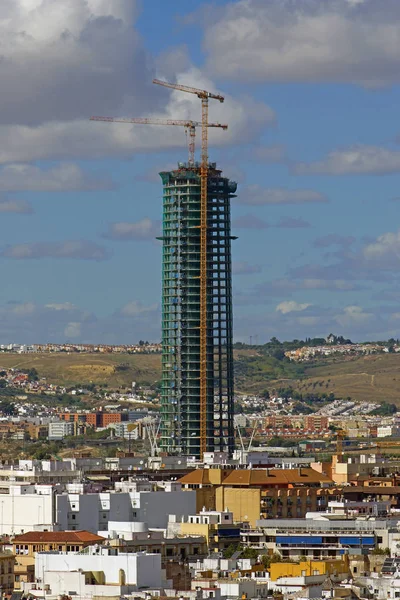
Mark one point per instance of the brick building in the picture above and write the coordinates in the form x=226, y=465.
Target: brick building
x=94, y=419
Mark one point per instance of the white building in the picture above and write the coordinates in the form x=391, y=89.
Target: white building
x=96, y=572
x=138, y=501
x=58, y=430
x=29, y=506
x=386, y=431
x=128, y=430
x=26, y=507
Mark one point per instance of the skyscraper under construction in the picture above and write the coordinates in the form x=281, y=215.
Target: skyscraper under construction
x=181, y=426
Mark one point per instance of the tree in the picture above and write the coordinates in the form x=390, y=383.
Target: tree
x=33, y=375
x=7, y=408
x=268, y=559
x=279, y=354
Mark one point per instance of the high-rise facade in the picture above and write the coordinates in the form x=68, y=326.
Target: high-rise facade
x=180, y=404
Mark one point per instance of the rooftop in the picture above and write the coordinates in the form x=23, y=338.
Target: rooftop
x=58, y=536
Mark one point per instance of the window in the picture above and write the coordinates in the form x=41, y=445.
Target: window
x=379, y=539
x=73, y=517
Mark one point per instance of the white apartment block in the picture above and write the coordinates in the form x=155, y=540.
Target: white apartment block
x=96, y=572
x=58, y=430
x=131, y=501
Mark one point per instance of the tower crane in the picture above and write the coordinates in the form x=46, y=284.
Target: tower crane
x=204, y=96
x=190, y=126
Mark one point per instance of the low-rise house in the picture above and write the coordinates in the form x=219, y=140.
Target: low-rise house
x=27, y=545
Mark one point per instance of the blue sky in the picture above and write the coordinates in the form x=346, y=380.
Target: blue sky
x=312, y=95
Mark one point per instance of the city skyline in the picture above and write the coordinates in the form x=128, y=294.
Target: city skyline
x=312, y=143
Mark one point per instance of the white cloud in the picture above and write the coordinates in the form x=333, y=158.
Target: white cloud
x=142, y=230
x=71, y=57
x=307, y=40
x=257, y=195
x=137, y=309
x=61, y=178
x=82, y=138
x=77, y=58
x=73, y=330
x=291, y=306
x=63, y=306
x=75, y=249
x=353, y=315
x=27, y=308
x=357, y=160
x=385, y=250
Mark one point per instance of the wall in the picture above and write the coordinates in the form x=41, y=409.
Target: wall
x=307, y=568
x=244, y=503
x=21, y=513
x=194, y=529
x=155, y=507
x=143, y=570
x=92, y=511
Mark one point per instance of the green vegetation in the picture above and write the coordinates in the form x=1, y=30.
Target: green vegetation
x=385, y=410
x=254, y=371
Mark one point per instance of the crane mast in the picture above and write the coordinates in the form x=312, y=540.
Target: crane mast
x=204, y=96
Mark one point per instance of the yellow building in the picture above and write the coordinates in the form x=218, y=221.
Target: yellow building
x=253, y=494
x=6, y=572
x=336, y=569
x=217, y=527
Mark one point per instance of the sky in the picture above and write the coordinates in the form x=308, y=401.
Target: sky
x=311, y=102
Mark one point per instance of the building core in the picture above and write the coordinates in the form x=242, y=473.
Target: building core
x=180, y=398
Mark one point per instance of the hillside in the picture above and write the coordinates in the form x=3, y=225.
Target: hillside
x=375, y=377
x=115, y=371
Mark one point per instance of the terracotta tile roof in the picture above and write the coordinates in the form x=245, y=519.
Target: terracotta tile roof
x=43, y=537
x=196, y=477
x=260, y=477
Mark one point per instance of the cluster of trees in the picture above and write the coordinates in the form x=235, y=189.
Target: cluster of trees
x=277, y=348
x=386, y=409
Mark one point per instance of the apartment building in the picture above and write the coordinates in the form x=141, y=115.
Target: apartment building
x=6, y=573
x=98, y=419
x=252, y=494
x=26, y=545
x=316, y=539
